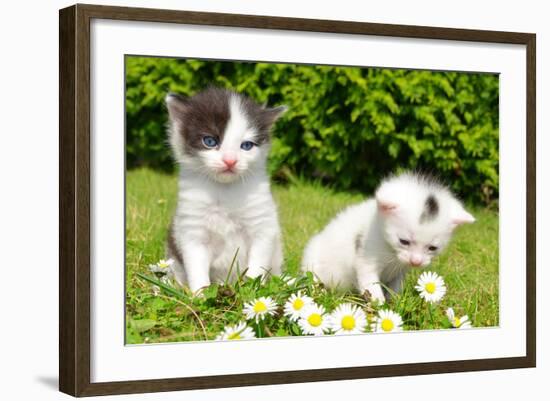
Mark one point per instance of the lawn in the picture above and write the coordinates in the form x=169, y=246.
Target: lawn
x=469, y=267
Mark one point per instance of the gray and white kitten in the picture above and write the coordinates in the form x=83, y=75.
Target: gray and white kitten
x=221, y=141
x=410, y=221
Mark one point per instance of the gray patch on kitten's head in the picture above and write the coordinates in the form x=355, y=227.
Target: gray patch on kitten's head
x=261, y=119
x=431, y=209
x=208, y=113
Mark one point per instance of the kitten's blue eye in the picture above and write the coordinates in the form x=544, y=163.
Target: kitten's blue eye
x=247, y=145
x=209, y=141
x=404, y=242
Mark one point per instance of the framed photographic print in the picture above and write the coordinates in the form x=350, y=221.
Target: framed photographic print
x=250, y=200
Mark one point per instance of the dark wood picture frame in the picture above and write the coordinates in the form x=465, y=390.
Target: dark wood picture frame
x=74, y=199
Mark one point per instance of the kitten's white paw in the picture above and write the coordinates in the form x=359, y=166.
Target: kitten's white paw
x=253, y=272
x=199, y=293
x=374, y=294
x=378, y=301
x=375, y=300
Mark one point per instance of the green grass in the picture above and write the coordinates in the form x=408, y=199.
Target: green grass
x=469, y=267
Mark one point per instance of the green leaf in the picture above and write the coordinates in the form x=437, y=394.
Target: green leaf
x=142, y=325
x=210, y=292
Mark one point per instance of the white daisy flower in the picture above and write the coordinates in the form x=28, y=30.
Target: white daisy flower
x=166, y=280
x=260, y=308
x=348, y=319
x=165, y=277
x=296, y=305
x=162, y=266
x=314, y=320
x=238, y=332
x=431, y=287
x=387, y=321
x=458, y=323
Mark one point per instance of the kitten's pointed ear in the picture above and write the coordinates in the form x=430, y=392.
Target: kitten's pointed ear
x=273, y=114
x=461, y=216
x=386, y=199
x=385, y=206
x=176, y=105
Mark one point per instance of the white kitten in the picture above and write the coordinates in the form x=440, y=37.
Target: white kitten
x=221, y=141
x=410, y=221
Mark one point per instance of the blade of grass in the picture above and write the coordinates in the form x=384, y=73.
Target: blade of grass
x=165, y=287
x=231, y=267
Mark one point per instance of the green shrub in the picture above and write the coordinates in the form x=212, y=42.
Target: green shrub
x=349, y=126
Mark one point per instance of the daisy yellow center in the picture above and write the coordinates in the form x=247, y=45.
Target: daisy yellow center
x=315, y=319
x=430, y=288
x=348, y=322
x=456, y=322
x=298, y=304
x=259, y=307
x=387, y=325
x=163, y=265
x=234, y=336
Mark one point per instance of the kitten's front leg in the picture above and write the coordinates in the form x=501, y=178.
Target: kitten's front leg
x=368, y=279
x=260, y=254
x=196, y=261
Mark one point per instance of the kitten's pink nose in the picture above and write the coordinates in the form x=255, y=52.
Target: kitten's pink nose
x=229, y=161
x=415, y=260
